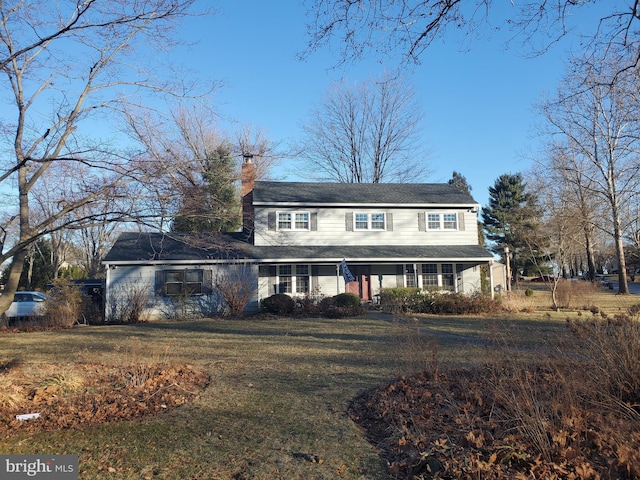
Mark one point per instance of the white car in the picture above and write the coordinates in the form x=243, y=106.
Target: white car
x=27, y=304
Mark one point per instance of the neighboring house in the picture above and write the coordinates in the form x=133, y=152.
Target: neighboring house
x=295, y=238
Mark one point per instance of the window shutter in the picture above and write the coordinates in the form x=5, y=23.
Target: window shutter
x=271, y=220
x=460, y=221
x=400, y=275
x=348, y=221
x=314, y=221
x=422, y=222
x=207, y=282
x=389, y=222
x=160, y=281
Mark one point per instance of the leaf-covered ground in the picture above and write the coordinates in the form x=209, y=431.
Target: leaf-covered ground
x=79, y=395
x=456, y=426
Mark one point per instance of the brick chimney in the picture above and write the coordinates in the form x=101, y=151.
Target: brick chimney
x=248, y=178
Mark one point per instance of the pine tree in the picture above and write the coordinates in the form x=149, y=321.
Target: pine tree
x=459, y=181
x=213, y=206
x=511, y=220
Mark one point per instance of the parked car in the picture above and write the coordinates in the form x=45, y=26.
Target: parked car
x=27, y=304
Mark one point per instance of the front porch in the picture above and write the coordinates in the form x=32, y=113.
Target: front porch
x=369, y=278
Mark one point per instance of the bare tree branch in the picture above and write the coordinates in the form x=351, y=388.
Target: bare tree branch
x=366, y=133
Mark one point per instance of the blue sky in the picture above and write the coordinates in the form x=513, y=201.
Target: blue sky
x=478, y=103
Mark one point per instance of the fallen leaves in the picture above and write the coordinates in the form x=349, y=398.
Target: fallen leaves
x=453, y=426
x=106, y=394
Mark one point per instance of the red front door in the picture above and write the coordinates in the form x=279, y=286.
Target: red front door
x=362, y=284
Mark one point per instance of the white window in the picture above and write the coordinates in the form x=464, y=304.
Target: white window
x=429, y=275
x=448, y=276
x=449, y=221
x=293, y=220
x=442, y=221
x=294, y=279
x=369, y=221
x=302, y=279
x=285, y=279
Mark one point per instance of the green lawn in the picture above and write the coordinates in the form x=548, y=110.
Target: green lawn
x=279, y=390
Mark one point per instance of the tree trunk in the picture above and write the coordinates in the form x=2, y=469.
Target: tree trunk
x=11, y=286
x=591, y=258
x=623, y=287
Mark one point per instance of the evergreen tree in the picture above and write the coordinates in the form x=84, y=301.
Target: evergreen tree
x=459, y=181
x=37, y=271
x=213, y=206
x=511, y=220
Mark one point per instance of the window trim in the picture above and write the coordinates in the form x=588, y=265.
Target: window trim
x=295, y=284
x=185, y=285
x=442, y=222
x=292, y=220
x=370, y=222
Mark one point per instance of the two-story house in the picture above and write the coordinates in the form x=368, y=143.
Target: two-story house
x=297, y=238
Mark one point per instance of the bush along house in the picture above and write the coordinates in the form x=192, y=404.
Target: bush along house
x=303, y=238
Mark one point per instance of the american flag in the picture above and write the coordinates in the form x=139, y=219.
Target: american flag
x=346, y=273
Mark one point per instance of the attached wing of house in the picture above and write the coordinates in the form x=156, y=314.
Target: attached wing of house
x=301, y=238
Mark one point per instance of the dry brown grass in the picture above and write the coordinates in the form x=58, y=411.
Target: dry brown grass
x=278, y=396
x=573, y=297
x=546, y=403
x=276, y=406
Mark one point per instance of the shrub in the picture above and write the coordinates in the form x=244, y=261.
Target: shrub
x=278, y=304
x=330, y=308
x=570, y=294
x=412, y=300
x=64, y=304
x=347, y=300
x=400, y=299
x=128, y=303
x=237, y=284
x=528, y=292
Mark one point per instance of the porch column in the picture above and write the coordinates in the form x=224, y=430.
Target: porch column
x=491, y=279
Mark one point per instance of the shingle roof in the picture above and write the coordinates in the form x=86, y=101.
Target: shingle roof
x=138, y=248
x=359, y=193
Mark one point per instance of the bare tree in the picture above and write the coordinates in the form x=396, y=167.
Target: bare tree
x=366, y=133
x=69, y=69
x=253, y=143
x=596, y=116
x=573, y=213
x=409, y=27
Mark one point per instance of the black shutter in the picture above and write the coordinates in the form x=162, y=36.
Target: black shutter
x=160, y=283
x=271, y=220
x=390, y=222
x=314, y=221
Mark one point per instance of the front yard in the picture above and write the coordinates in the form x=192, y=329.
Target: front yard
x=270, y=398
